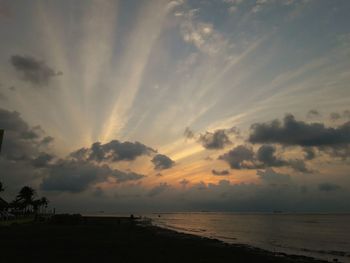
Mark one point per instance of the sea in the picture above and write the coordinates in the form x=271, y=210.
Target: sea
x=322, y=236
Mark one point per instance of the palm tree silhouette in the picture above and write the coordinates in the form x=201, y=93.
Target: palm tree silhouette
x=44, y=202
x=25, y=196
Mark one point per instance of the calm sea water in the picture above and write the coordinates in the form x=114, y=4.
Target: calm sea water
x=325, y=236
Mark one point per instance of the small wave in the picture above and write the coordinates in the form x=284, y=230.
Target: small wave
x=324, y=252
x=225, y=237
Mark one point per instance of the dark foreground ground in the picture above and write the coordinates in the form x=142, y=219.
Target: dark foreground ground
x=89, y=239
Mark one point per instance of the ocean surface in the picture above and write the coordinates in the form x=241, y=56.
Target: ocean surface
x=324, y=236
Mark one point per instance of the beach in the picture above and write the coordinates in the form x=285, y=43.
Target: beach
x=120, y=239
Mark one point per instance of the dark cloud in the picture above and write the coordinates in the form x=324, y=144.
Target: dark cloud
x=162, y=162
x=214, y=140
x=188, y=133
x=113, y=151
x=24, y=159
x=243, y=157
x=233, y=130
x=293, y=132
x=237, y=156
x=47, y=140
x=33, y=70
x=328, y=187
x=162, y=187
x=337, y=151
x=220, y=173
x=23, y=155
x=309, y=153
x=42, y=160
x=21, y=142
x=266, y=155
x=299, y=165
x=271, y=177
x=73, y=176
x=77, y=175
x=313, y=113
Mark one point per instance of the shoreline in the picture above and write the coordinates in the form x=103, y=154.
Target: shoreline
x=74, y=238
x=281, y=250
x=254, y=249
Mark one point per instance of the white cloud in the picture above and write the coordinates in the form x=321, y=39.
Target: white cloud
x=201, y=34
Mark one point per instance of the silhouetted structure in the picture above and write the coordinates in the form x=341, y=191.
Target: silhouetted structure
x=1, y=137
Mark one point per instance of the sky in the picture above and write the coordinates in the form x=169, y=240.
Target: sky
x=183, y=105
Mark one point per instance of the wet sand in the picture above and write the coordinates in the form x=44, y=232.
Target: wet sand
x=98, y=239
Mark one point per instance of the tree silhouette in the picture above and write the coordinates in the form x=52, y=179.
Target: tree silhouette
x=44, y=202
x=38, y=204
x=1, y=187
x=25, y=196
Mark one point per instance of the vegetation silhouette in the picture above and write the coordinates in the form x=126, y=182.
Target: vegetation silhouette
x=25, y=203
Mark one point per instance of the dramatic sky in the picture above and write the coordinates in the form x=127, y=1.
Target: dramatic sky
x=184, y=105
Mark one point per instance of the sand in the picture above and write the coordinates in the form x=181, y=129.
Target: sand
x=92, y=239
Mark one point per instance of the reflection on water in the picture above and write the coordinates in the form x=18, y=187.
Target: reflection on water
x=325, y=236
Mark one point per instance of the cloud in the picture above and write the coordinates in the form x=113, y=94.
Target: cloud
x=266, y=155
x=233, y=5
x=237, y=156
x=162, y=162
x=299, y=165
x=33, y=70
x=220, y=173
x=173, y=4
x=72, y=176
x=328, y=187
x=200, y=34
x=184, y=182
x=309, y=153
x=21, y=142
x=47, y=140
x=243, y=157
x=269, y=176
x=42, y=160
x=113, y=151
x=313, y=113
x=77, y=175
x=25, y=159
x=292, y=132
x=334, y=116
x=214, y=140
x=158, y=189
x=188, y=133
